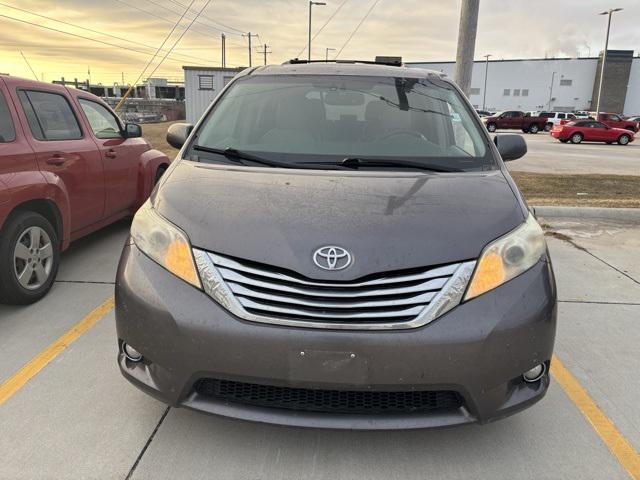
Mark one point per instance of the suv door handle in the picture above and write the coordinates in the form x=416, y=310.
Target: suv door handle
x=57, y=159
x=111, y=153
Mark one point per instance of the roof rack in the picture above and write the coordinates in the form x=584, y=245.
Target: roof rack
x=389, y=61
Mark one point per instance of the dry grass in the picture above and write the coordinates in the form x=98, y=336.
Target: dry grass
x=538, y=188
x=579, y=190
x=156, y=134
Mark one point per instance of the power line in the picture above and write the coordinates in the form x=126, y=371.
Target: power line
x=154, y=2
x=184, y=32
x=335, y=12
x=124, y=97
x=165, y=19
x=89, y=29
x=229, y=27
x=81, y=36
x=29, y=65
x=366, y=15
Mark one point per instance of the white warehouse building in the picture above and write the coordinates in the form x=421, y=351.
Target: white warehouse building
x=562, y=84
x=201, y=85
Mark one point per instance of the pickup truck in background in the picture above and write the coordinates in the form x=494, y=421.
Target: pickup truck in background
x=514, y=120
x=614, y=120
x=68, y=166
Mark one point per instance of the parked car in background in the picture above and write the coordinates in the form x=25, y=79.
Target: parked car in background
x=514, y=120
x=554, y=118
x=68, y=166
x=483, y=113
x=591, y=131
x=581, y=114
x=616, y=121
x=634, y=119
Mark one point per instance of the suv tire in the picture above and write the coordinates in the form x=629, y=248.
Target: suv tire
x=28, y=245
x=533, y=128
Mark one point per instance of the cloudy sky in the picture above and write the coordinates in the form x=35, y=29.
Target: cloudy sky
x=417, y=30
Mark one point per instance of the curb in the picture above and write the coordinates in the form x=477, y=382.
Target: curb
x=626, y=214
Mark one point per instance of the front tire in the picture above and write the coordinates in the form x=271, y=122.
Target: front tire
x=624, y=140
x=29, y=258
x=492, y=127
x=576, y=138
x=533, y=128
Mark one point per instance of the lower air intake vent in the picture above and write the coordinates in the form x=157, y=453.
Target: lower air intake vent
x=328, y=401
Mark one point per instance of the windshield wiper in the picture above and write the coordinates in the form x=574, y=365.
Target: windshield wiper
x=238, y=156
x=356, y=162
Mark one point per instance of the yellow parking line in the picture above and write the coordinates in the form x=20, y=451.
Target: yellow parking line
x=31, y=369
x=604, y=427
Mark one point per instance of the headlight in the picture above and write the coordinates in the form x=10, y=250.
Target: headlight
x=164, y=243
x=507, y=257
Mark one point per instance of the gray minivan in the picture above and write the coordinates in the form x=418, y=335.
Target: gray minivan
x=338, y=245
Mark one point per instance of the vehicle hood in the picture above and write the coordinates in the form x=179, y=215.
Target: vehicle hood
x=386, y=220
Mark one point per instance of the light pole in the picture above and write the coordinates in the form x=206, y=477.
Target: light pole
x=553, y=76
x=326, y=53
x=311, y=4
x=486, y=73
x=604, y=56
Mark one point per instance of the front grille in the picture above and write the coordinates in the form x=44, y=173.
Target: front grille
x=328, y=401
x=264, y=291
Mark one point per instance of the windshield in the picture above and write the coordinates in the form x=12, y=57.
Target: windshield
x=306, y=120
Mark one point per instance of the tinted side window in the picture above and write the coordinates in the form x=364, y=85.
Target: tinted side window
x=49, y=115
x=7, y=130
x=103, y=123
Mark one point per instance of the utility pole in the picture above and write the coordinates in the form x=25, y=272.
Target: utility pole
x=466, y=43
x=553, y=76
x=264, y=52
x=249, y=36
x=326, y=53
x=486, y=75
x=311, y=4
x=224, y=52
x=604, y=56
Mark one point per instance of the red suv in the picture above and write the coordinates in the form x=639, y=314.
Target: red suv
x=68, y=166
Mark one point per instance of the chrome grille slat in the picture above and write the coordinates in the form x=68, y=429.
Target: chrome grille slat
x=420, y=299
x=227, y=263
x=407, y=312
x=389, y=300
x=235, y=277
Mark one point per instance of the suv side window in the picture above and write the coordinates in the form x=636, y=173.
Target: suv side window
x=7, y=130
x=103, y=123
x=49, y=115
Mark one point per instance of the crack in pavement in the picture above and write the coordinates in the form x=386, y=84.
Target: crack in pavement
x=572, y=242
x=94, y=282
x=599, y=303
x=146, y=445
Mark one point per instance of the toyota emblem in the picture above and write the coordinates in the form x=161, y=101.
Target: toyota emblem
x=332, y=258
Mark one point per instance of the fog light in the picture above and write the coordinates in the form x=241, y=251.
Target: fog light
x=535, y=373
x=131, y=353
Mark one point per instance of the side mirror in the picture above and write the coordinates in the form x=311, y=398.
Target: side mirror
x=510, y=147
x=132, y=130
x=178, y=133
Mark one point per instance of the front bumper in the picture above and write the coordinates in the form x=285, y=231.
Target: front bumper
x=479, y=349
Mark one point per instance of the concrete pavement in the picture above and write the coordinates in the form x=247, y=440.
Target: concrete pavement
x=78, y=418
x=547, y=155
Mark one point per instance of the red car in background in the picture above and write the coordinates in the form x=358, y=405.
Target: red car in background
x=68, y=166
x=591, y=131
